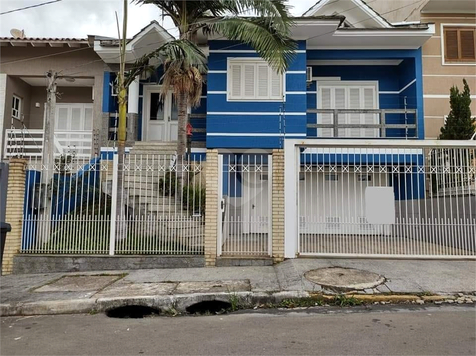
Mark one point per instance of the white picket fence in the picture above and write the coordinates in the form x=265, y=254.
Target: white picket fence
x=146, y=204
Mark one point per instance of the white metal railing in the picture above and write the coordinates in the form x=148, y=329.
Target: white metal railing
x=380, y=128
x=406, y=198
x=245, y=187
x=146, y=204
x=28, y=143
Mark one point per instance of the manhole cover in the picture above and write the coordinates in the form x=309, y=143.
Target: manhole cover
x=345, y=278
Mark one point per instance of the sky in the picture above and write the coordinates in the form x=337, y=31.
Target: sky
x=80, y=18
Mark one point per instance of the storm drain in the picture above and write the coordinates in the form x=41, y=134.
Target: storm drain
x=208, y=307
x=132, y=312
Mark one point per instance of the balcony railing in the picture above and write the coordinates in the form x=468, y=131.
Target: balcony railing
x=28, y=143
x=339, y=126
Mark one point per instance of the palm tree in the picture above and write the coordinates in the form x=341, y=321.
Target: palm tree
x=266, y=29
x=173, y=52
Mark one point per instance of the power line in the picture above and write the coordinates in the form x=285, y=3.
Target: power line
x=29, y=7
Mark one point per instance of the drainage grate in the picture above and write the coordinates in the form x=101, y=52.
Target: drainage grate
x=209, y=307
x=132, y=312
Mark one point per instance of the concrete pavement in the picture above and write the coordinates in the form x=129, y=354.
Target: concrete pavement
x=57, y=293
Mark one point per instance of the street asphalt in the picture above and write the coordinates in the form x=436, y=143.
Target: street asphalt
x=375, y=330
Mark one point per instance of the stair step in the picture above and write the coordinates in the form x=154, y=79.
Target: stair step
x=144, y=199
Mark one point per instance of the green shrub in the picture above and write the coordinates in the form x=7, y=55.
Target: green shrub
x=193, y=198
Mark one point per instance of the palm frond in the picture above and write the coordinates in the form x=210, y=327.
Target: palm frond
x=271, y=44
x=183, y=53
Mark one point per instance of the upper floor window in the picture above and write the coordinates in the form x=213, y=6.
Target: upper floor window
x=253, y=80
x=16, y=107
x=460, y=44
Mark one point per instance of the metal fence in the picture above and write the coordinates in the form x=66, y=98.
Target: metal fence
x=140, y=204
x=245, y=186
x=396, y=199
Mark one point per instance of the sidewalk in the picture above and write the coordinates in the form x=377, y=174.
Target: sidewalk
x=57, y=293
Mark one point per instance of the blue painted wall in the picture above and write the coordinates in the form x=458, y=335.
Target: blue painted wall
x=233, y=117
x=391, y=79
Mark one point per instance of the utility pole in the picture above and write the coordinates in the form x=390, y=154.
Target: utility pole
x=48, y=154
x=49, y=134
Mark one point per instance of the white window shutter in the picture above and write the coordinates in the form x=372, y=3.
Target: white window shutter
x=249, y=80
x=340, y=103
x=354, y=119
x=235, y=81
x=276, y=84
x=369, y=103
x=254, y=80
x=263, y=81
x=326, y=103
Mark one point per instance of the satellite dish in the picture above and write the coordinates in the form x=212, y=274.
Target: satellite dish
x=19, y=34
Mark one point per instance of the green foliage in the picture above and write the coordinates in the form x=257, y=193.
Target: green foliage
x=266, y=29
x=193, y=198
x=168, y=184
x=343, y=300
x=94, y=236
x=459, y=124
x=62, y=162
x=300, y=302
x=234, y=302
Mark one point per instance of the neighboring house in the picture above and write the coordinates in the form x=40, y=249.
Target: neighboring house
x=448, y=57
x=23, y=83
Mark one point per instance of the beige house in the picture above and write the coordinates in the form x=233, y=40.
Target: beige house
x=448, y=57
x=23, y=83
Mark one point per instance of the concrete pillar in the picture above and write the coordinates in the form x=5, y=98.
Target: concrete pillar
x=133, y=97
x=14, y=213
x=277, y=208
x=211, y=208
x=132, y=111
x=131, y=137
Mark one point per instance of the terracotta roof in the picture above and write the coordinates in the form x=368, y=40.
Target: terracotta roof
x=30, y=39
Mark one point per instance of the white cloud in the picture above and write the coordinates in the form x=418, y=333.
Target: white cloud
x=79, y=18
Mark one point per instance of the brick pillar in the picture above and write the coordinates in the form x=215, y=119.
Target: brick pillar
x=211, y=208
x=277, y=202
x=14, y=213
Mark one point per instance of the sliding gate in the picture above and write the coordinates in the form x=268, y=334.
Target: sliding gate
x=245, y=205
x=387, y=199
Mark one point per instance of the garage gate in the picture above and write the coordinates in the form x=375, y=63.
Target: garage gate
x=387, y=198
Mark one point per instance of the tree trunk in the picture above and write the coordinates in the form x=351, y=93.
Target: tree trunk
x=121, y=148
x=182, y=104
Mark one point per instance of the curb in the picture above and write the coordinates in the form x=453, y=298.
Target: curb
x=180, y=302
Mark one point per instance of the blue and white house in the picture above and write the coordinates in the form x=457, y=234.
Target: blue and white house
x=354, y=76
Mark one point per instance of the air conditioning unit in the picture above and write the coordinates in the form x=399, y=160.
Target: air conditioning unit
x=308, y=74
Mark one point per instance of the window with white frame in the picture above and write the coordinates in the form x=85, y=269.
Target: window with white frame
x=16, y=107
x=348, y=95
x=253, y=80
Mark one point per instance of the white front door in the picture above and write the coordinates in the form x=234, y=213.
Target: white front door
x=161, y=116
x=255, y=203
